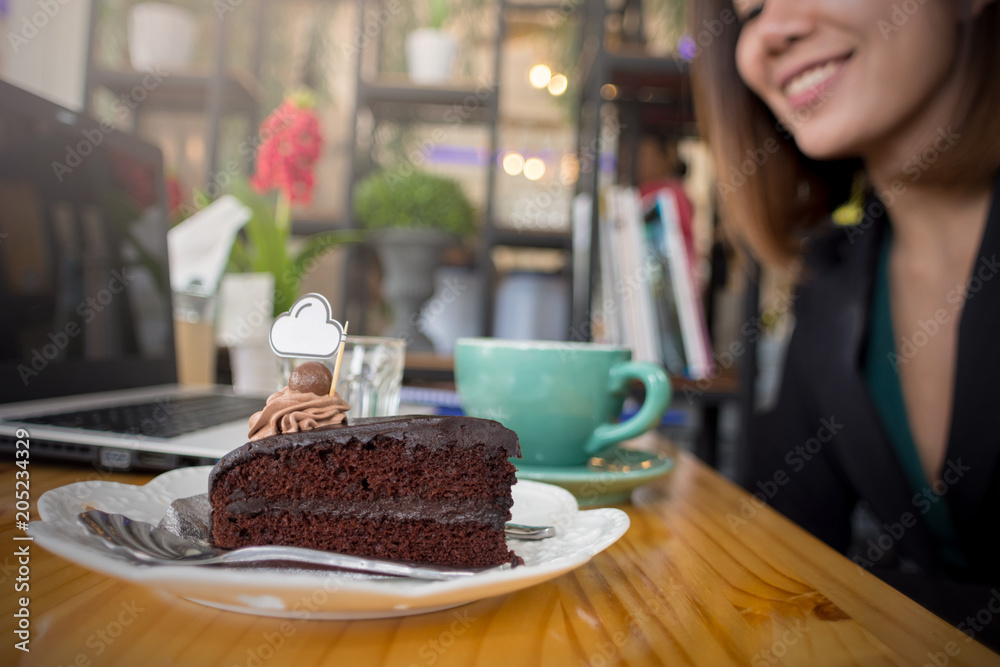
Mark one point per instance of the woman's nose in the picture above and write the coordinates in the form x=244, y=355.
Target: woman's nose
x=784, y=22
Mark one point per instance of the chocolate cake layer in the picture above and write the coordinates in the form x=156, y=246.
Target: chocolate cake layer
x=431, y=489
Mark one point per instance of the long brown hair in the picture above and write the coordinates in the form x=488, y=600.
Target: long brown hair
x=771, y=194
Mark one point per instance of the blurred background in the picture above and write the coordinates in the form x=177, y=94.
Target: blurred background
x=533, y=109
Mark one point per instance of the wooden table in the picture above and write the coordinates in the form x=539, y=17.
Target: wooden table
x=687, y=585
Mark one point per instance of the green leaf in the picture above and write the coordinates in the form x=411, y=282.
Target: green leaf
x=408, y=198
x=239, y=259
x=317, y=245
x=439, y=11
x=263, y=247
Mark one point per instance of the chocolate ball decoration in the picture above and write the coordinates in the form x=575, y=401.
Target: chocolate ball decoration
x=312, y=376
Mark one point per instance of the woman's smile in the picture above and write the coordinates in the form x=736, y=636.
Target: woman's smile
x=810, y=83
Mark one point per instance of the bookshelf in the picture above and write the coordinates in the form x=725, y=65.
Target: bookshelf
x=385, y=97
x=646, y=92
x=216, y=92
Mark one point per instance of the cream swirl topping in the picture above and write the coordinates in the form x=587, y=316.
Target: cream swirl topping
x=290, y=411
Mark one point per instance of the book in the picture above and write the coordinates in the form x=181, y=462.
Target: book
x=648, y=297
x=635, y=287
x=672, y=351
x=605, y=311
x=624, y=312
x=669, y=242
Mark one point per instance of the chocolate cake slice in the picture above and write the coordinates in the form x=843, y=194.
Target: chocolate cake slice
x=425, y=489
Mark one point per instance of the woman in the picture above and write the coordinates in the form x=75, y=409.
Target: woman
x=889, y=393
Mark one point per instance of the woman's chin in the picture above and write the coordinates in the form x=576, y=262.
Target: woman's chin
x=824, y=146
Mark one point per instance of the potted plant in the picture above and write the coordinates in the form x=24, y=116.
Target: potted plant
x=430, y=50
x=413, y=216
x=161, y=35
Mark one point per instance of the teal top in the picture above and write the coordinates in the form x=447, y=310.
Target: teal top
x=882, y=378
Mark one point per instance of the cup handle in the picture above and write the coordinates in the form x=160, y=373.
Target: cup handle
x=657, y=384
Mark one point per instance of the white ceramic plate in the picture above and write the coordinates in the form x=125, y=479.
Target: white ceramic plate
x=309, y=593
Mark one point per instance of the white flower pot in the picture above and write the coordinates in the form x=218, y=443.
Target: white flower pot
x=246, y=301
x=429, y=54
x=160, y=35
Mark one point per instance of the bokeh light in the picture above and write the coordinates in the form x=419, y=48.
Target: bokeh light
x=539, y=76
x=558, y=84
x=569, y=169
x=687, y=49
x=534, y=168
x=513, y=163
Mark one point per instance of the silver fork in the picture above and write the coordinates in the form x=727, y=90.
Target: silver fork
x=150, y=544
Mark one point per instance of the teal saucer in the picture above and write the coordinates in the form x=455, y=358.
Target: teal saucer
x=606, y=479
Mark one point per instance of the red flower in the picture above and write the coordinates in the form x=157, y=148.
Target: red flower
x=290, y=147
x=175, y=194
x=136, y=178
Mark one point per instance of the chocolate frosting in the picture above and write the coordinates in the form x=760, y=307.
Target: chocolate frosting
x=453, y=510
x=290, y=411
x=414, y=430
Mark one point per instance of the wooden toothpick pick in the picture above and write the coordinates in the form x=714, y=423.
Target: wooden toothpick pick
x=336, y=366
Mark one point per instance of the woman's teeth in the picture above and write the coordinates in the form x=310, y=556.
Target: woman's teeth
x=810, y=79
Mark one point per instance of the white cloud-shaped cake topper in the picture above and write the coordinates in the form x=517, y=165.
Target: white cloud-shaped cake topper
x=307, y=329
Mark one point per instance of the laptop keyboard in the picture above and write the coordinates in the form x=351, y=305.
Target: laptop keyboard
x=162, y=418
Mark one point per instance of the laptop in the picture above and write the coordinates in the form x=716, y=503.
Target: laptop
x=87, y=359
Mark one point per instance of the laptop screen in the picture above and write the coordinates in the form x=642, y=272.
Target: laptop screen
x=84, y=292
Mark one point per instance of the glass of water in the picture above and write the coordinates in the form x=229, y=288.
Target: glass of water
x=371, y=374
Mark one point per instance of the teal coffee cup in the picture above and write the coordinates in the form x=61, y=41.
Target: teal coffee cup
x=562, y=399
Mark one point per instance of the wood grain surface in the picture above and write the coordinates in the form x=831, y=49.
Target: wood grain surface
x=689, y=584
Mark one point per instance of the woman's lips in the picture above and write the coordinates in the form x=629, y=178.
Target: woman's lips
x=807, y=86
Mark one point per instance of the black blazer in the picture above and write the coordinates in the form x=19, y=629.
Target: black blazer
x=825, y=446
